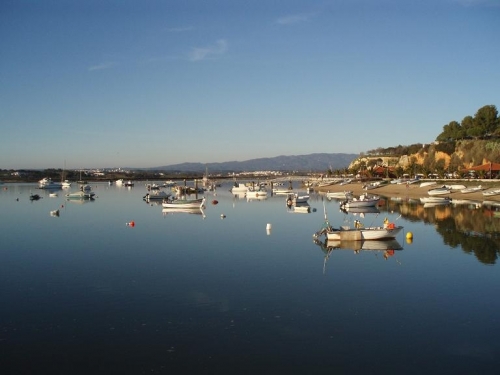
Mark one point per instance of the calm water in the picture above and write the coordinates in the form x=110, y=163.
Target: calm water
x=83, y=293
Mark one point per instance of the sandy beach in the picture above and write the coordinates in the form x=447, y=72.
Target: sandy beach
x=415, y=191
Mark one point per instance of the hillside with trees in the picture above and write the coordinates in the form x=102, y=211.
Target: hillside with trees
x=473, y=141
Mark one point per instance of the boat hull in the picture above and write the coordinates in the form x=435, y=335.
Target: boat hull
x=184, y=203
x=439, y=191
x=374, y=233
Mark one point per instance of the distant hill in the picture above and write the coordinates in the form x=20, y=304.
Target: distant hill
x=300, y=163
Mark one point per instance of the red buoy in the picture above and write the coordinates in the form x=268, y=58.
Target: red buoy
x=215, y=201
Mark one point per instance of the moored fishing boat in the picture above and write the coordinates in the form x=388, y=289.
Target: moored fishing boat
x=239, y=187
x=256, y=192
x=183, y=202
x=359, y=232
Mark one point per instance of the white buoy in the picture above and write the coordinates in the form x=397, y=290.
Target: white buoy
x=269, y=226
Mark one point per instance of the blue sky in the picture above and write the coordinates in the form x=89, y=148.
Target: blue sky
x=147, y=83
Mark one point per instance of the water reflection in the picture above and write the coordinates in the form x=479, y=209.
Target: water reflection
x=177, y=210
x=387, y=248
x=472, y=225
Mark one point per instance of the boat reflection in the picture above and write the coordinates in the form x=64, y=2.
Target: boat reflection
x=80, y=201
x=303, y=208
x=361, y=210
x=386, y=247
x=176, y=210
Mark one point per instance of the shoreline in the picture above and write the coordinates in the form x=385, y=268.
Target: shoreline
x=408, y=191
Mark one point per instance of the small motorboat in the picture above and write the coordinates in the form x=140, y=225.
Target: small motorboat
x=439, y=191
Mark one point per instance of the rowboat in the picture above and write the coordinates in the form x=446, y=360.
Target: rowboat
x=439, y=191
x=338, y=194
x=183, y=202
x=472, y=189
x=455, y=187
x=374, y=185
x=364, y=200
x=491, y=192
x=427, y=183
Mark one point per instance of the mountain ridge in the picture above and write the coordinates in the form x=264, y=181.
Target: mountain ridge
x=310, y=162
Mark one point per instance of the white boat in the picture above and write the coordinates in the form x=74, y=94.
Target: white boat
x=359, y=232
x=239, y=187
x=119, y=182
x=374, y=185
x=47, y=183
x=339, y=194
x=364, y=200
x=53, y=195
x=472, y=189
x=439, y=191
x=491, y=192
x=256, y=192
x=295, y=198
x=81, y=195
x=66, y=184
x=455, y=187
x=427, y=183
x=183, y=203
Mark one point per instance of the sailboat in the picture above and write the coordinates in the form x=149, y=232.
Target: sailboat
x=80, y=181
x=65, y=183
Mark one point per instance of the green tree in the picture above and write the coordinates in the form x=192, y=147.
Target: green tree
x=486, y=119
x=467, y=125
